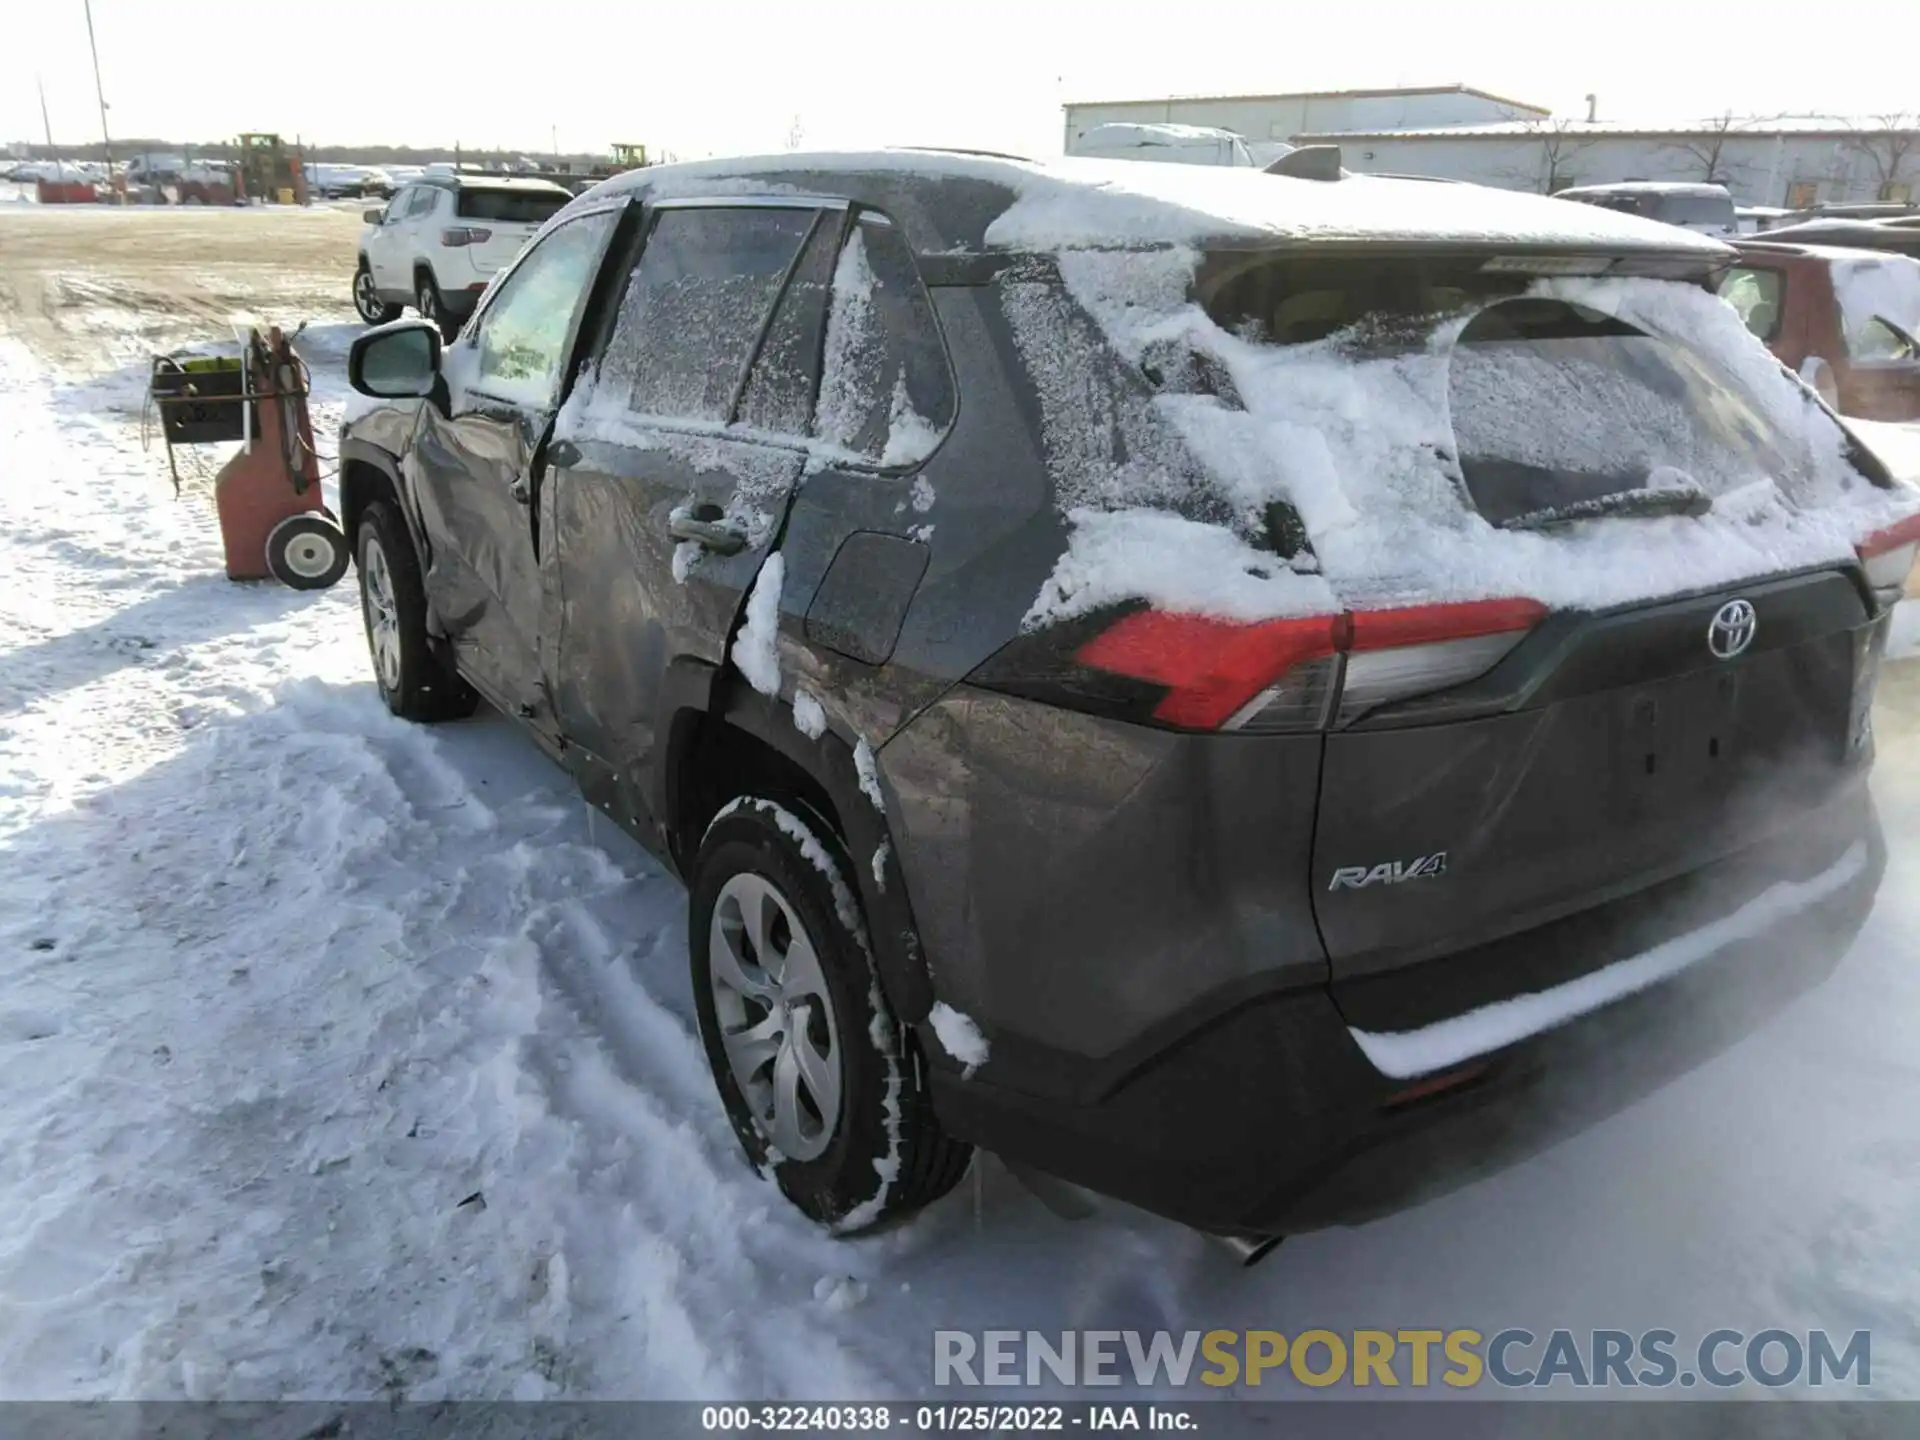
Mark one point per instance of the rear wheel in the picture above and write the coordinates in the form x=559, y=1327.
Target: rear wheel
x=413, y=682
x=426, y=299
x=366, y=300
x=821, y=1084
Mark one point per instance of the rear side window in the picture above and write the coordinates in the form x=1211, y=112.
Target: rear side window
x=886, y=393
x=1755, y=295
x=695, y=307
x=509, y=205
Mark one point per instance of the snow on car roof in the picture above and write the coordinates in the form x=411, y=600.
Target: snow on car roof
x=1077, y=203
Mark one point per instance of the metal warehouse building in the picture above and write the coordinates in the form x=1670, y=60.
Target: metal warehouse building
x=1793, y=163
x=1461, y=133
x=1267, y=122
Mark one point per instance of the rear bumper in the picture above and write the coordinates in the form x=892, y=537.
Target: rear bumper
x=1270, y=1118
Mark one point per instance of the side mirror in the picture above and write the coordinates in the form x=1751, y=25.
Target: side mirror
x=398, y=361
x=374, y=217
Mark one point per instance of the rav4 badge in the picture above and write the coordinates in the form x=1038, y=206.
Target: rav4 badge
x=1389, y=872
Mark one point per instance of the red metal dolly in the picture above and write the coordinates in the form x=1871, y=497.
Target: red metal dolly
x=272, y=519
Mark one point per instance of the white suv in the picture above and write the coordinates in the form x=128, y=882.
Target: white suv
x=440, y=240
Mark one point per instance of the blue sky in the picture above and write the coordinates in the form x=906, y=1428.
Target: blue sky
x=720, y=77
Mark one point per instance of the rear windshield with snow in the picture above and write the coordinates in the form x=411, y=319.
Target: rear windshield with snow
x=509, y=206
x=1554, y=406
x=1441, y=426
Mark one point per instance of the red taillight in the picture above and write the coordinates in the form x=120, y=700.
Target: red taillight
x=1211, y=668
x=1889, y=555
x=1212, y=674
x=464, y=235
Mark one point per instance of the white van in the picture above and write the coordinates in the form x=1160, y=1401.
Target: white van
x=1168, y=144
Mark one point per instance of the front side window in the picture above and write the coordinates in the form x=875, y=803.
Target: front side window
x=1877, y=340
x=695, y=307
x=424, y=199
x=1755, y=295
x=522, y=339
x=886, y=392
x=399, y=207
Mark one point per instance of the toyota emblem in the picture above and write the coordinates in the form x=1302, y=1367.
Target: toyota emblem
x=1732, y=629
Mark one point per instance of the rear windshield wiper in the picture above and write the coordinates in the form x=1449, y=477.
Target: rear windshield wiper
x=1667, y=500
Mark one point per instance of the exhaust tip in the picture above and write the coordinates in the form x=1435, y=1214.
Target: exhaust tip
x=1248, y=1250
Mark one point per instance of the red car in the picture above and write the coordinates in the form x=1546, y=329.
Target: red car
x=1845, y=319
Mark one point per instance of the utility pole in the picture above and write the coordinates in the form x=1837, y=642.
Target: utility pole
x=106, y=140
x=553, y=135
x=44, y=121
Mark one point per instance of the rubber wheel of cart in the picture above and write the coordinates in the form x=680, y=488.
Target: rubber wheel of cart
x=307, y=552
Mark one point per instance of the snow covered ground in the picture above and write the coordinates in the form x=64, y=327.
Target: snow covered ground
x=342, y=1057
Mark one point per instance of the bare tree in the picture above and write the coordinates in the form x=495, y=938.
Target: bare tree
x=1706, y=147
x=1559, y=142
x=1891, y=147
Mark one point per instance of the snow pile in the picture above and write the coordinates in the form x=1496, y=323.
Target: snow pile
x=809, y=716
x=959, y=1036
x=1168, y=485
x=868, y=770
x=756, y=648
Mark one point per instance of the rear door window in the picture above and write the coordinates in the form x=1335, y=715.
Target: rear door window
x=695, y=307
x=886, y=391
x=780, y=391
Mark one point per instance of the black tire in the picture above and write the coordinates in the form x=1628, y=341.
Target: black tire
x=412, y=680
x=426, y=299
x=307, y=552
x=369, y=306
x=886, y=1154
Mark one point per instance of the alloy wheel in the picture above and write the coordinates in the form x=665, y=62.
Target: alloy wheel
x=383, y=616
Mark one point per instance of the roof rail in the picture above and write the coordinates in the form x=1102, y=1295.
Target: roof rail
x=1310, y=162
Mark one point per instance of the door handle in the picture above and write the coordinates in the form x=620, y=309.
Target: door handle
x=706, y=525
x=521, y=491
x=563, y=454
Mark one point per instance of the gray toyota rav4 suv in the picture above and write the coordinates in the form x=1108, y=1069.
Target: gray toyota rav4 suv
x=1211, y=685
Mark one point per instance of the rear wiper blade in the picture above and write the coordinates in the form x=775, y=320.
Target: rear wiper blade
x=1668, y=500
